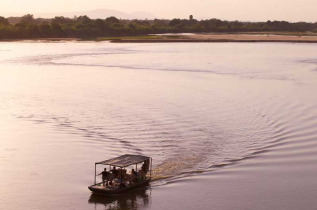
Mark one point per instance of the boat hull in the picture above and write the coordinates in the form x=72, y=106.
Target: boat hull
x=96, y=189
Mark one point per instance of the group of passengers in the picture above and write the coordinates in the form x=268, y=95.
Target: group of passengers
x=117, y=174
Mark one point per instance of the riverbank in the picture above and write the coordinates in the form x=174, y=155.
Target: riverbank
x=215, y=37
x=191, y=37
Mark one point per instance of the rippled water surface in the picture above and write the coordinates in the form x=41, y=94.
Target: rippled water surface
x=207, y=113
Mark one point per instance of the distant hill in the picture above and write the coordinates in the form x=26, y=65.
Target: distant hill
x=94, y=14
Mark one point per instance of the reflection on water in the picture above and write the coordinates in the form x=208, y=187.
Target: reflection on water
x=136, y=199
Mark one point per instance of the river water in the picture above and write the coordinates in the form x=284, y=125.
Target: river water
x=228, y=125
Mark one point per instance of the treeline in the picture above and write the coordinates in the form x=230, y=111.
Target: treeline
x=27, y=27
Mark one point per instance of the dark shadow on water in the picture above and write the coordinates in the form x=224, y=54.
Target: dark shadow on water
x=136, y=199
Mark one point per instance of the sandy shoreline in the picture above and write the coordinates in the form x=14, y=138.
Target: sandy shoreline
x=226, y=38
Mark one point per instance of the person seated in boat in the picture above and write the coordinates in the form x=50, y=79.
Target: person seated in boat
x=122, y=172
x=131, y=177
x=115, y=172
x=142, y=175
x=104, y=176
x=145, y=166
x=134, y=173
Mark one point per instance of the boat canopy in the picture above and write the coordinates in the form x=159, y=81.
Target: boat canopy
x=124, y=160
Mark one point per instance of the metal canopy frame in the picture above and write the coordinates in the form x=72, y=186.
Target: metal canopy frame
x=124, y=160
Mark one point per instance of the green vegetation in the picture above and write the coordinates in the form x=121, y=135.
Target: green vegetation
x=27, y=27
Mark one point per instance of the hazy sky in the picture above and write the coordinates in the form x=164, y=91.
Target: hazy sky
x=253, y=10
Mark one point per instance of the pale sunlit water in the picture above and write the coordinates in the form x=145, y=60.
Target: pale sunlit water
x=233, y=111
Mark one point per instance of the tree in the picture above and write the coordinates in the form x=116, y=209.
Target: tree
x=4, y=21
x=61, y=20
x=84, y=27
x=57, y=30
x=100, y=25
x=45, y=29
x=28, y=19
x=175, y=22
x=84, y=20
x=112, y=20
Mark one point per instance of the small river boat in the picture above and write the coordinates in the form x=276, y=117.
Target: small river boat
x=116, y=180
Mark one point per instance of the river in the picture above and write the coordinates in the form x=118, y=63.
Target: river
x=228, y=125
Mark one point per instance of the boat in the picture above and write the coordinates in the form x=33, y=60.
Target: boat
x=118, y=181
